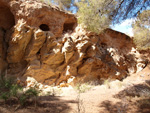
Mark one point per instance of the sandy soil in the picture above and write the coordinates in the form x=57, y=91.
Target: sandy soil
x=132, y=95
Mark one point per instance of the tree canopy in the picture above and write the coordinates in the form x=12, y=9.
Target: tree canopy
x=141, y=29
x=94, y=15
x=106, y=12
x=128, y=9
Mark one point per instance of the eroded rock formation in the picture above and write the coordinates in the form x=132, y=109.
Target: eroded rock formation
x=40, y=41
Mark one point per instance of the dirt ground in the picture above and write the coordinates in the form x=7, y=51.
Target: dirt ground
x=132, y=95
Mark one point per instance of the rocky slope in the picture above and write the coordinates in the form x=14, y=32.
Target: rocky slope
x=41, y=41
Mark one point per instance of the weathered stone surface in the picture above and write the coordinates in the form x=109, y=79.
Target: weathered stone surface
x=46, y=43
x=18, y=42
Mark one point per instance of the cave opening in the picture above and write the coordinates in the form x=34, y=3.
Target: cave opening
x=44, y=27
x=68, y=27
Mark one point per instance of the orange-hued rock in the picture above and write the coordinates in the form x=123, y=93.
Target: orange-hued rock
x=43, y=42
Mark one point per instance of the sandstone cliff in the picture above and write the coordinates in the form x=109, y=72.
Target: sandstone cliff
x=43, y=42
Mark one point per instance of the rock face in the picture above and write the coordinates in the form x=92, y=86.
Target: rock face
x=40, y=41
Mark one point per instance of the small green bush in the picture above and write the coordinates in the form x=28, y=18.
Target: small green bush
x=28, y=94
x=82, y=88
x=9, y=89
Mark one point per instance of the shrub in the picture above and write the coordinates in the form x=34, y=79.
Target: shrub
x=10, y=89
x=28, y=94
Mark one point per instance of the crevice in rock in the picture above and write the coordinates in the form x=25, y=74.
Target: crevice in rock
x=57, y=82
x=103, y=45
x=39, y=55
x=68, y=27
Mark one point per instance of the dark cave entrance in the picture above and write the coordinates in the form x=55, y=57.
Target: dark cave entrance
x=44, y=27
x=68, y=27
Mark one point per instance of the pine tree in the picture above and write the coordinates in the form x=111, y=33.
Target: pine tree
x=94, y=15
x=141, y=30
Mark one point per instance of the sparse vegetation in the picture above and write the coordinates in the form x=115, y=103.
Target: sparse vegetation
x=107, y=83
x=10, y=89
x=81, y=88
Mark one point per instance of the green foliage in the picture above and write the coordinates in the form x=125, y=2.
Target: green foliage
x=22, y=99
x=141, y=30
x=127, y=9
x=81, y=88
x=144, y=18
x=14, y=89
x=5, y=96
x=30, y=93
x=9, y=89
x=5, y=83
x=94, y=15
